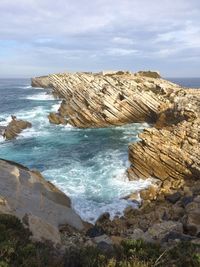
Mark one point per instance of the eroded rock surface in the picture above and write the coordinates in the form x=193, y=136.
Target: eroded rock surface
x=169, y=152
x=42, y=81
x=38, y=203
x=109, y=98
x=14, y=128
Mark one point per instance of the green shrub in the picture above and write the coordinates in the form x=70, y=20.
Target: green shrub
x=17, y=250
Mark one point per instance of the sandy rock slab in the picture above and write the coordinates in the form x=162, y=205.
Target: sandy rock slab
x=38, y=203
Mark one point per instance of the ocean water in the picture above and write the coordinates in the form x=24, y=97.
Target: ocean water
x=89, y=165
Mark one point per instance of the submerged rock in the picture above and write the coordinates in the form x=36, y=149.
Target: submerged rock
x=38, y=203
x=15, y=127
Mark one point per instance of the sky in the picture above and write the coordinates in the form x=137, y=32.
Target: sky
x=39, y=37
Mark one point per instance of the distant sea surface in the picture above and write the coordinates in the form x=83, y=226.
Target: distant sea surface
x=88, y=165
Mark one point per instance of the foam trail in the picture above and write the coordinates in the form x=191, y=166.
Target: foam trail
x=41, y=97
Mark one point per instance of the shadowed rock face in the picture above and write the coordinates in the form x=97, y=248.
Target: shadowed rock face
x=169, y=151
x=15, y=127
x=38, y=203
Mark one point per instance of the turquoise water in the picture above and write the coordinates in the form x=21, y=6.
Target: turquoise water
x=88, y=165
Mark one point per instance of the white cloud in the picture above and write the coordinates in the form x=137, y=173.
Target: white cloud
x=120, y=51
x=122, y=41
x=91, y=34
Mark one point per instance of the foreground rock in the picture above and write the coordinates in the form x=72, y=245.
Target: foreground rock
x=14, y=128
x=38, y=203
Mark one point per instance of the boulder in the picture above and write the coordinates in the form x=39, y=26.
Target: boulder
x=15, y=127
x=37, y=202
x=160, y=230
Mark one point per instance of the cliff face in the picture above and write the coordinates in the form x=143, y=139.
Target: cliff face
x=42, y=81
x=105, y=99
x=38, y=203
x=169, y=151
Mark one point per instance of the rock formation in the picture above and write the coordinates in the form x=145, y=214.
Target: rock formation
x=15, y=127
x=110, y=98
x=38, y=203
x=42, y=81
x=169, y=151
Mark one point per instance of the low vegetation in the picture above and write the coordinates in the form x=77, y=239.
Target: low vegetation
x=17, y=250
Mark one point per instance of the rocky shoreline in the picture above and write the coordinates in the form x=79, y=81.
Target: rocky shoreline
x=168, y=153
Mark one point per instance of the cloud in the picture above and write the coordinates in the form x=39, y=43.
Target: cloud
x=120, y=51
x=122, y=41
x=48, y=35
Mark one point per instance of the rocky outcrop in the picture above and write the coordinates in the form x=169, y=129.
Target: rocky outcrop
x=150, y=74
x=14, y=128
x=42, y=81
x=109, y=98
x=38, y=203
x=170, y=150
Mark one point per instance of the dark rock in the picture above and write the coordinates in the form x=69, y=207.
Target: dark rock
x=105, y=247
x=95, y=231
x=186, y=200
x=175, y=235
x=104, y=217
x=173, y=198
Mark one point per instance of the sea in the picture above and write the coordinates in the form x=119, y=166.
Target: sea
x=89, y=165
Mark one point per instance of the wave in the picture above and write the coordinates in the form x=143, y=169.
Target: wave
x=98, y=187
x=40, y=97
x=56, y=106
x=32, y=133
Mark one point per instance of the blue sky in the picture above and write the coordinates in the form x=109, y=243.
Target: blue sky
x=38, y=37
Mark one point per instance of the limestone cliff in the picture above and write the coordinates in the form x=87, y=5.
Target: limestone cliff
x=105, y=99
x=169, y=151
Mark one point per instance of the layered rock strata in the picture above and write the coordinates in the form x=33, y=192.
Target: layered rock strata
x=169, y=151
x=14, y=128
x=111, y=98
x=38, y=203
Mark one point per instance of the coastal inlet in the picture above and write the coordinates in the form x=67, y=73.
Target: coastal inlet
x=88, y=165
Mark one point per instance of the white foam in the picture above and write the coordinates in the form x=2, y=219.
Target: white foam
x=1, y=139
x=40, y=97
x=31, y=132
x=95, y=191
x=56, y=106
x=6, y=121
